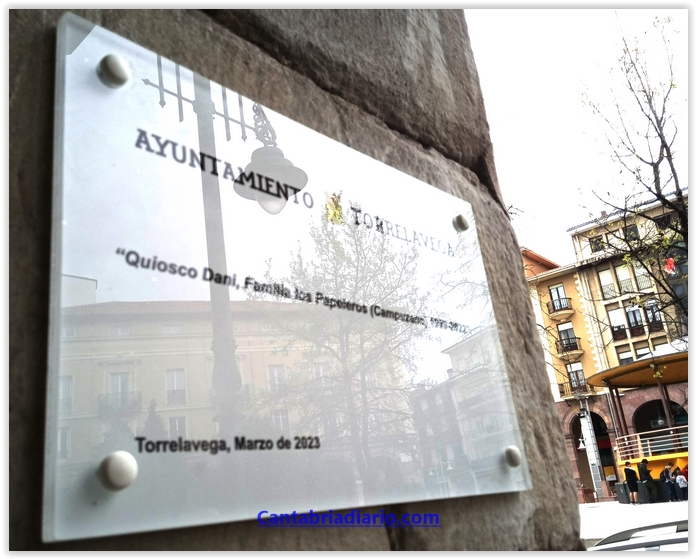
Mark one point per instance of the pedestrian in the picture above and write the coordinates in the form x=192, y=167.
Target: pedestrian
x=632, y=481
x=685, y=472
x=647, y=480
x=683, y=484
x=666, y=476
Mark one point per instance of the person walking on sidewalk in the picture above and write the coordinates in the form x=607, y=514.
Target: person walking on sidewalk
x=683, y=484
x=632, y=481
x=666, y=476
x=647, y=480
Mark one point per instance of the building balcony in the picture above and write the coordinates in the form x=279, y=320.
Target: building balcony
x=643, y=282
x=559, y=308
x=625, y=286
x=649, y=444
x=637, y=330
x=655, y=326
x=176, y=397
x=609, y=291
x=575, y=389
x=569, y=348
x=125, y=405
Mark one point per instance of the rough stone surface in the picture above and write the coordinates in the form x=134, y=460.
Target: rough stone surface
x=327, y=91
x=412, y=69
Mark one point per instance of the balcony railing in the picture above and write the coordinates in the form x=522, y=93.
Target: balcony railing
x=574, y=389
x=119, y=404
x=625, y=286
x=643, y=282
x=618, y=333
x=568, y=344
x=653, y=443
x=655, y=326
x=609, y=291
x=638, y=330
x=556, y=305
x=176, y=397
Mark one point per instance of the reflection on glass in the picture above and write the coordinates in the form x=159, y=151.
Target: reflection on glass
x=340, y=352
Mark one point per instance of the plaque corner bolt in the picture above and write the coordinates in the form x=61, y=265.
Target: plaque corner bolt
x=460, y=223
x=513, y=456
x=118, y=470
x=113, y=71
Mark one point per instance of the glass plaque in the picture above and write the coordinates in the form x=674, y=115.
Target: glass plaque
x=257, y=317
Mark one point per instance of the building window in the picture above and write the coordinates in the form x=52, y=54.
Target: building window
x=566, y=337
x=617, y=320
x=65, y=395
x=177, y=427
x=424, y=404
x=624, y=277
x=176, y=387
x=119, y=383
x=438, y=399
x=654, y=317
x=625, y=357
x=68, y=332
x=635, y=321
x=63, y=450
x=607, y=282
x=120, y=331
x=642, y=352
x=642, y=277
x=559, y=301
x=631, y=233
x=276, y=378
x=281, y=422
x=596, y=243
x=170, y=329
x=575, y=375
x=663, y=222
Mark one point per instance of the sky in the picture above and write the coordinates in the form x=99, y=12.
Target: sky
x=551, y=153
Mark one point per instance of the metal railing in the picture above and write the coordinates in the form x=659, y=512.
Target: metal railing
x=637, y=330
x=568, y=344
x=653, y=443
x=643, y=281
x=625, y=286
x=609, y=291
x=556, y=305
x=574, y=389
x=655, y=326
x=119, y=404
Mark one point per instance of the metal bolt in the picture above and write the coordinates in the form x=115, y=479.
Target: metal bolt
x=513, y=456
x=118, y=470
x=460, y=223
x=113, y=71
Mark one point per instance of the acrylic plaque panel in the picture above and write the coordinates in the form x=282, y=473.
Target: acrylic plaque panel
x=264, y=318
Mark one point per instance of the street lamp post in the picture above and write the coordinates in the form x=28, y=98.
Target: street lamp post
x=440, y=474
x=591, y=449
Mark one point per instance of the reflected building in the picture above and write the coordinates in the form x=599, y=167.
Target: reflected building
x=133, y=369
x=462, y=423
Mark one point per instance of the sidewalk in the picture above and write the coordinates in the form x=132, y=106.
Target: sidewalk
x=599, y=520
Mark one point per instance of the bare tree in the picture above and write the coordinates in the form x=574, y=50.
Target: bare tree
x=356, y=375
x=648, y=228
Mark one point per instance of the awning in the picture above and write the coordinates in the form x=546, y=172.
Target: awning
x=674, y=368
